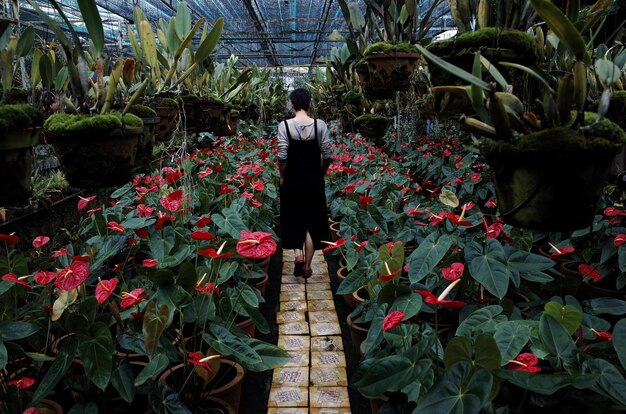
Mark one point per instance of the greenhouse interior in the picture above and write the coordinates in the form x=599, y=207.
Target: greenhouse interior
x=313, y=206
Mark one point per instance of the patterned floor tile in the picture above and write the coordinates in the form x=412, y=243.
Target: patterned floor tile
x=298, y=359
x=292, y=296
x=290, y=317
x=326, y=343
x=328, y=377
x=291, y=377
x=328, y=359
x=293, y=328
x=324, y=328
x=289, y=397
x=310, y=287
x=320, y=305
x=323, y=316
x=293, y=306
x=319, y=295
x=292, y=287
x=335, y=397
x=294, y=343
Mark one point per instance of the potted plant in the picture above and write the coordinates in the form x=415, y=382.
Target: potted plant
x=373, y=126
x=145, y=144
x=527, y=154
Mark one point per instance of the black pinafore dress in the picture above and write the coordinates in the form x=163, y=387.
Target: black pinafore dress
x=302, y=195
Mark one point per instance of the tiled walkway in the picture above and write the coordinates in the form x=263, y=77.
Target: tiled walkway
x=314, y=381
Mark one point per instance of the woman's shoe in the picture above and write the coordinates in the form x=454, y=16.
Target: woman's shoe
x=307, y=273
x=298, y=268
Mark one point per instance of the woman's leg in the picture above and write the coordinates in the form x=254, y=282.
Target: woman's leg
x=309, y=250
x=298, y=255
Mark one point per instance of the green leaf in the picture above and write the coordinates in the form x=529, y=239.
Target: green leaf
x=565, y=30
x=409, y=304
x=459, y=349
x=511, y=337
x=122, y=381
x=90, y=408
x=610, y=306
x=13, y=331
x=476, y=92
x=153, y=326
x=526, y=262
x=55, y=373
x=607, y=71
x=4, y=355
x=619, y=341
x=457, y=392
x=209, y=42
x=375, y=332
x=257, y=317
x=224, y=342
x=555, y=338
x=481, y=320
x=546, y=384
x=610, y=380
x=428, y=254
x=487, y=354
x=389, y=374
x=534, y=73
x=156, y=366
x=488, y=268
x=183, y=20
x=25, y=42
x=230, y=222
x=271, y=356
x=96, y=355
x=567, y=315
x=91, y=17
x=452, y=69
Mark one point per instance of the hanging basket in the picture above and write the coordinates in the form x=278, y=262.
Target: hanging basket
x=386, y=72
x=373, y=127
x=554, y=187
x=168, y=119
x=97, y=159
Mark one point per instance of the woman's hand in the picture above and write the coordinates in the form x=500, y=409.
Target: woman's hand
x=282, y=179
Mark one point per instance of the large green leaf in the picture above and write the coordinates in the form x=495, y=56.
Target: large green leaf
x=154, y=324
x=488, y=267
x=93, y=21
x=12, y=331
x=122, y=381
x=25, y=42
x=230, y=222
x=183, y=20
x=511, y=337
x=96, y=354
x=454, y=70
x=568, y=315
x=90, y=408
x=610, y=380
x=555, y=338
x=610, y=306
x=389, y=374
x=482, y=353
x=459, y=391
x=55, y=373
x=156, y=366
x=430, y=252
x=619, y=341
x=375, y=332
x=526, y=262
x=257, y=317
x=546, y=384
x=224, y=342
x=271, y=356
x=409, y=304
x=209, y=42
x=481, y=320
x=4, y=355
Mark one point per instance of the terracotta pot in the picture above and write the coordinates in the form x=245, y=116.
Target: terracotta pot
x=348, y=298
x=360, y=295
x=246, y=325
x=264, y=264
x=225, y=386
x=388, y=72
x=145, y=145
x=103, y=159
x=16, y=164
x=168, y=119
x=334, y=230
x=377, y=403
x=49, y=407
x=262, y=285
x=211, y=404
x=358, y=334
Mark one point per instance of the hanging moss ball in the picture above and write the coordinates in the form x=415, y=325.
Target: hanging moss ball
x=66, y=123
x=353, y=97
x=167, y=102
x=388, y=47
x=19, y=116
x=142, y=111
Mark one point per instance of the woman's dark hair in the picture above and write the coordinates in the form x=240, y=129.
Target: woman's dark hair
x=300, y=99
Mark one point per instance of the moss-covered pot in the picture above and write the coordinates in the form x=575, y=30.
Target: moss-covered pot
x=20, y=126
x=551, y=180
x=145, y=144
x=389, y=68
x=373, y=127
x=96, y=151
x=198, y=112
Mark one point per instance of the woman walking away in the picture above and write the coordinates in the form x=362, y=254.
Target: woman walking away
x=303, y=159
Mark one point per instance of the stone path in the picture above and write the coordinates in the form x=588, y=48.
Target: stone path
x=314, y=381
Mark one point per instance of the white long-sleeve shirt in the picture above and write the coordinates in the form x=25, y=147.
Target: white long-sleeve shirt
x=299, y=131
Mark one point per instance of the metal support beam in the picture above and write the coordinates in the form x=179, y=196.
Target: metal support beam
x=322, y=24
x=266, y=43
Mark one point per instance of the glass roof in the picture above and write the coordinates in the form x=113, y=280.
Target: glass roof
x=266, y=32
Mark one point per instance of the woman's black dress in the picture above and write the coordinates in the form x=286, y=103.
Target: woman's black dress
x=302, y=195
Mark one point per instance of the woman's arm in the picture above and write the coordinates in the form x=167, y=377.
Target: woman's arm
x=282, y=144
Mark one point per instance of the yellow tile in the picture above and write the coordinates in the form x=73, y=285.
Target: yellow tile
x=298, y=359
x=289, y=397
x=290, y=317
x=293, y=306
x=293, y=328
x=294, y=343
x=328, y=377
x=292, y=287
x=287, y=410
x=328, y=410
x=326, y=343
x=292, y=296
x=319, y=295
x=324, y=328
x=323, y=316
x=328, y=359
x=291, y=377
x=329, y=397
x=310, y=287
x=321, y=305
x=290, y=279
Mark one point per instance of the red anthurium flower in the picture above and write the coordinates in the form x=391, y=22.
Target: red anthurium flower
x=225, y=189
x=475, y=177
x=208, y=288
x=453, y=272
x=414, y=212
x=10, y=277
x=612, y=212
x=150, y=263
x=197, y=359
x=603, y=336
x=43, y=278
x=458, y=219
x=255, y=244
x=619, y=240
x=40, y=241
x=205, y=173
x=334, y=245
x=589, y=271
x=60, y=252
x=133, y=297
x=525, y=362
x=202, y=235
x=559, y=251
x=429, y=297
x=162, y=218
x=22, y=383
x=389, y=275
x=258, y=185
x=81, y=258
x=365, y=200
x=173, y=176
x=170, y=204
x=104, y=288
x=216, y=254
x=201, y=223
x=491, y=204
x=112, y=225
x=72, y=276
x=83, y=201
x=10, y=239
x=142, y=233
x=145, y=211
x=255, y=203
x=247, y=195
x=361, y=245
x=392, y=320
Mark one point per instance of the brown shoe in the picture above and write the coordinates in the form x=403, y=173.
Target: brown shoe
x=298, y=268
x=307, y=273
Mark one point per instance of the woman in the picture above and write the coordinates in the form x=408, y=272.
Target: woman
x=303, y=159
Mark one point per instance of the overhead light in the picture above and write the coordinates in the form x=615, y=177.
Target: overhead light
x=335, y=36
